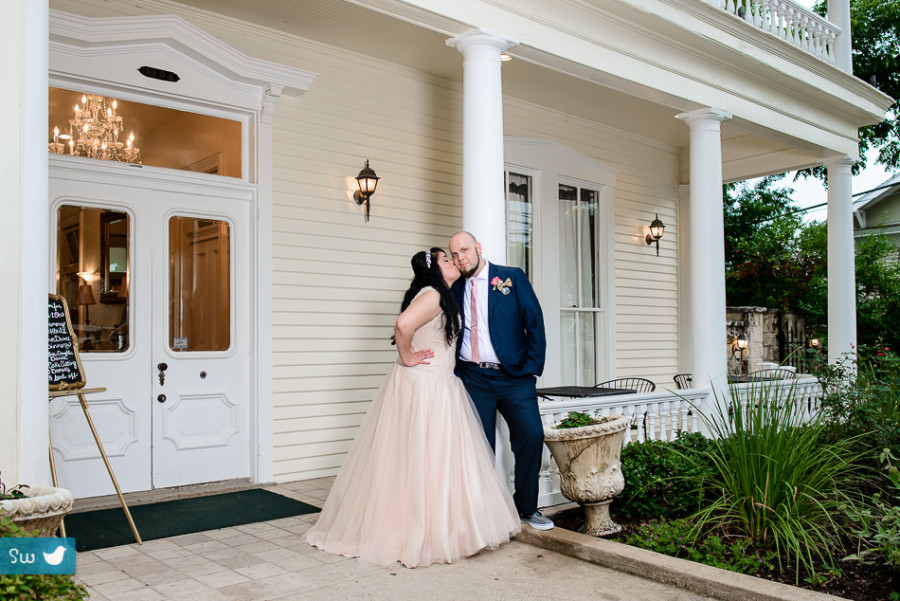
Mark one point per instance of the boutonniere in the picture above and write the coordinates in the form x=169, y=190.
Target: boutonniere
x=502, y=286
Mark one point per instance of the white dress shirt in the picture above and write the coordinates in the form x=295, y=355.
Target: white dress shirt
x=484, y=332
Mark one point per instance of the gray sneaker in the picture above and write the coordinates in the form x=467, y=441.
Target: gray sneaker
x=538, y=521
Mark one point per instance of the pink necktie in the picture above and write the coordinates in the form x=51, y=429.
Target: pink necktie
x=473, y=330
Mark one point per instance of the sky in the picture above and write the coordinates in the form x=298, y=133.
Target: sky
x=810, y=192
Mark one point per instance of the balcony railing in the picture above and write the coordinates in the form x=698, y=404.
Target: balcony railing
x=657, y=415
x=789, y=21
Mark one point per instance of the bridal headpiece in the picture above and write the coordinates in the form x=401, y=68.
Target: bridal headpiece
x=428, y=259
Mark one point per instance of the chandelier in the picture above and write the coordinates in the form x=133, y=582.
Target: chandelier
x=95, y=132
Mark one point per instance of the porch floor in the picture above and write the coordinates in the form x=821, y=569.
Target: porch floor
x=269, y=561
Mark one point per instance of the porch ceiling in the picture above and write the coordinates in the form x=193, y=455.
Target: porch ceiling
x=531, y=76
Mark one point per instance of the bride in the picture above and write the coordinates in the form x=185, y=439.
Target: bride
x=418, y=485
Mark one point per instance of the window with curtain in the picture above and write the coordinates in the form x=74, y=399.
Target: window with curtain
x=579, y=273
x=519, y=215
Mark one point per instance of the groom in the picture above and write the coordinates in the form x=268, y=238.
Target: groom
x=499, y=354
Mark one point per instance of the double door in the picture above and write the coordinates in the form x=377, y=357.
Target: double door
x=158, y=285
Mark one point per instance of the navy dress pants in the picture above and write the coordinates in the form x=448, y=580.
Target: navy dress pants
x=494, y=390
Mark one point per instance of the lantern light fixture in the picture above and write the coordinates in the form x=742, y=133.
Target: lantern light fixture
x=367, y=182
x=657, y=228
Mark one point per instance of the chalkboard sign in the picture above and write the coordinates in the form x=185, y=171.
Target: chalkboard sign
x=65, y=369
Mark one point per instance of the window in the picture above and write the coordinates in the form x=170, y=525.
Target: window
x=94, y=126
x=519, y=216
x=579, y=269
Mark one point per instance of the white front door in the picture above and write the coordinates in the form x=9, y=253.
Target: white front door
x=158, y=284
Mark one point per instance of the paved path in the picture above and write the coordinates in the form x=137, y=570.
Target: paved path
x=269, y=561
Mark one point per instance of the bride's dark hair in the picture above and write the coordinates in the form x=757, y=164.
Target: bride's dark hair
x=428, y=273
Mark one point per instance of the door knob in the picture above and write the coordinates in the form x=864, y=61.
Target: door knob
x=161, y=398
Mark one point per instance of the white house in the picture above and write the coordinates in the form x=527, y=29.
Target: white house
x=233, y=299
x=878, y=210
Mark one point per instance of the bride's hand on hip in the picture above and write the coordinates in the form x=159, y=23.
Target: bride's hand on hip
x=417, y=357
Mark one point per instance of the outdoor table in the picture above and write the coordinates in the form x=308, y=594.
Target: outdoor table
x=580, y=392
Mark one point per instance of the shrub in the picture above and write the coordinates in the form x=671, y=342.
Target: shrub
x=778, y=481
x=674, y=538
x=662, y=478
x=28, y=587
x=878, y=527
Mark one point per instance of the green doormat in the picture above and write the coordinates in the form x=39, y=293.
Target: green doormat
x=109, y=527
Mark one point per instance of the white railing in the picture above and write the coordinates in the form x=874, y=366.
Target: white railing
x=789, y=21
x=657, y=415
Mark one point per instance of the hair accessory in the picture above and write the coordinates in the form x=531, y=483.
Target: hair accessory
x=428, y=259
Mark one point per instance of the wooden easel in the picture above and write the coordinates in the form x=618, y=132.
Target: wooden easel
x=67, y=379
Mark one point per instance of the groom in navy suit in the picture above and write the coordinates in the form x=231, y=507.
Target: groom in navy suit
x=500, y=353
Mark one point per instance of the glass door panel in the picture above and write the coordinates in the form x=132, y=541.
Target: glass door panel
x=92, y=272
x=199, y=284
x=519, y=216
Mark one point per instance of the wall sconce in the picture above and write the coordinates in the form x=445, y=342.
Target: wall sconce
x=740, y=345
x=657, y=228
x=367, y=181
x=813, y=342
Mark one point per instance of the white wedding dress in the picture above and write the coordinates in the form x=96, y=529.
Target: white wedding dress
x=418, y=485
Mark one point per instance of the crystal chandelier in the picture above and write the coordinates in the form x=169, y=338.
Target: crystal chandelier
x=95, y=131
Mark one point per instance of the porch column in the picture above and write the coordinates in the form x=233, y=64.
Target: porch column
x=709, y=361
x=483, y=202
x=839, y=14
x=841, y=260
x=24, y=244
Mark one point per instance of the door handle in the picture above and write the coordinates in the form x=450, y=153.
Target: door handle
x=161, y=398
x=162, y=367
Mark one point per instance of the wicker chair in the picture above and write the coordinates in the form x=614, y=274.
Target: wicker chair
x=772, y=374
x=683, y=381
x=635, y=384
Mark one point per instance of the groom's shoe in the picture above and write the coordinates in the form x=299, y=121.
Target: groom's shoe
x=538, y=521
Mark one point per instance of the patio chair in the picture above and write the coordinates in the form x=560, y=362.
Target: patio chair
x=683, y=381
x=772, y=374
x=635, y=384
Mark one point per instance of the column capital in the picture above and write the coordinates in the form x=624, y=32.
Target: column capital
x=704, y=115
x=840, y=161
x=482, y=37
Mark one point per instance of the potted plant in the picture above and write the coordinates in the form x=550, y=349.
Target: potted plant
x=37, y=509
x=587, y=450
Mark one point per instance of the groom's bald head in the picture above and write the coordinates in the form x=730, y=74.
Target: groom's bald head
x=466, y=253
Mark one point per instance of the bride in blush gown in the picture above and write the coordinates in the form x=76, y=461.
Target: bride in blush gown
x=418, y=485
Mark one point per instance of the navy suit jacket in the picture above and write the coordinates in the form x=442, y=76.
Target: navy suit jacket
x=515, y=321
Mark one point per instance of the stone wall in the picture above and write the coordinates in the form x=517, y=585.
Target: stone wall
x=761, y=325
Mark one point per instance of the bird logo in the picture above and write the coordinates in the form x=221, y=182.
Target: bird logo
x=55, y=558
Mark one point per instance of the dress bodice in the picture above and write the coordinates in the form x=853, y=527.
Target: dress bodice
x=431, y=336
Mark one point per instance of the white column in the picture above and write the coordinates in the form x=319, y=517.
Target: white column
x=484, y=206
x=685, y=304
x=841, y=261
x=839, y=14
x=709, y=362
x=24, y=244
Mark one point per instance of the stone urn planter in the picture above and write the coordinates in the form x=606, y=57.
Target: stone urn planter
x=589, y=468
x=41, y=509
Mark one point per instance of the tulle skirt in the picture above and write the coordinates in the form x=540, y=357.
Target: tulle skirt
x=419, y=484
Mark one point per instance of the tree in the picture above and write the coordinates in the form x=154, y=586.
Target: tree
x=774, y=260
x=875, y=30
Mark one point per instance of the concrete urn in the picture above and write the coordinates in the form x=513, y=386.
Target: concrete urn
x=41, y=510
x=590, y=469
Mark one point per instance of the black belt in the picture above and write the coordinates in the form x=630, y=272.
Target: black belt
x=487, y=365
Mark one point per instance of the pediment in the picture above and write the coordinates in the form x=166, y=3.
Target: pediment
x=112, y=49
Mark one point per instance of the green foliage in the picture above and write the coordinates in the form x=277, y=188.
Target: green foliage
x=661, y=478
x=777, y=480
x=875, y=32
x=674, y=538
x=11, y=493
x=577, y=419
x=862, y=402
x=878, y=527
x=28, y=587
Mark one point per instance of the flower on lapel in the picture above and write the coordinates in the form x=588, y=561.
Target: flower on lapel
x=502, y=286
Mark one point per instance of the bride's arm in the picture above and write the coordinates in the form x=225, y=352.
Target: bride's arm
x=419, y=312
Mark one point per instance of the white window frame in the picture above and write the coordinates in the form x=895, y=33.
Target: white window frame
x=550, y=163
